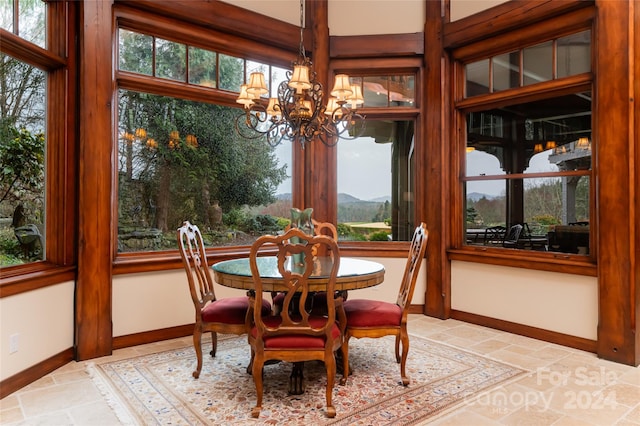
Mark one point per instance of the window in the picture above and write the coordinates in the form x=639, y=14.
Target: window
x=182, y=159
x=527, y=158
x=375, y=171
x=23, y=123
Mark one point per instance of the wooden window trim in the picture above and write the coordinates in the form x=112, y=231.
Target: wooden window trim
x=572, y=22
x=60, y=191
x=198, y=36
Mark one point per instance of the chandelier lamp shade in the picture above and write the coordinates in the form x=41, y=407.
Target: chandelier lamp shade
x=300, y=112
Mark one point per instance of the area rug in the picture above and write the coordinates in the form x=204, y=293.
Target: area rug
x=159, y=389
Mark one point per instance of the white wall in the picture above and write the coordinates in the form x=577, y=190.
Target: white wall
x=463, y=8
x=350, y=17
x=284, y=10
x=155, y=300
x=43, y=319
x=563, y=303
x=360, y=17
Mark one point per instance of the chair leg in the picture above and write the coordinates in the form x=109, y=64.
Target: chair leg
x=257, y=371
x=330, y=364
x=214, y=343
x=405, y=351
x=197, y=345
x=345, y=360
x=250, y=366
x=398, y=348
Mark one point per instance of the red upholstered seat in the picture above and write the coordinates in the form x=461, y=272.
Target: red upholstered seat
x=231, y=310
x=372, y=313
x=296, y=341
x=374, y=318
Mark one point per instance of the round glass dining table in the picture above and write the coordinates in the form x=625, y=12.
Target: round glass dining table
x=353, y=274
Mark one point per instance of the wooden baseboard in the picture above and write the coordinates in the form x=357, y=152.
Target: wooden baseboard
x=152, y=336
x=416, y=309
x=527, y=331
x=35, y=372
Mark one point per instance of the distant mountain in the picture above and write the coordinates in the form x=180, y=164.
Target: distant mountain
x=475, y=196
x=381, y=199
x=343, y=198
x=346, y=198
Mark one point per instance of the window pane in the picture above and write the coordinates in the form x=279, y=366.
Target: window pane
x=278, y=75
x=537, y=63
x=477, y=78
x=31, y=22
x=376, y=91
x=375, y=183
x=170, y=60
x=506, y=71
x=135, y=52
x=231, y=72
x=402, y=90
x=202, y=67
x=546, y=136
x=22, y=155
x=6, y=15
x=574, y=54
x=182, y=160
x=556, y=215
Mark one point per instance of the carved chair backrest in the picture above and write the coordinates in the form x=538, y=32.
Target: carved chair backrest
x=412, y=268
x=296, y=263
x=194, y=260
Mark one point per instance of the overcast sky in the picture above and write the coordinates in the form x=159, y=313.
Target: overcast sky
x=364, y=168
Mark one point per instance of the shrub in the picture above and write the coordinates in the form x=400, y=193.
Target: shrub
x=379, y=236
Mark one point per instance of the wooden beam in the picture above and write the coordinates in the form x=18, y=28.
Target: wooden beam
x=617, y=139
x=377, y=46
x=433, y=164
x=93, y=329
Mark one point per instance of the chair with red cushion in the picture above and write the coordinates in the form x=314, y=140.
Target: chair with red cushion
x=374, y=318
x=227, y=315
x=296, y=335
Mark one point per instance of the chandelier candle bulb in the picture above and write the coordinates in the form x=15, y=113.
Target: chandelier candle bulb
x=298, y=111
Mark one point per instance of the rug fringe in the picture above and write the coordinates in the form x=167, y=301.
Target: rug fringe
x=110, y=395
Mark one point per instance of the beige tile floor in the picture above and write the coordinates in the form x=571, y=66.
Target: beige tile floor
x=565, y=387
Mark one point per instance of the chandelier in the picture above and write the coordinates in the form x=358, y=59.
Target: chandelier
x=299, y=112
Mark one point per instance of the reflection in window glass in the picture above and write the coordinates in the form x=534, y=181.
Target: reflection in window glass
x=545, y=136
x=170, y=60
x=506, y=71
x=537, y=63
x=574, y=54
x=22, y=155
x=181, y=160
x=135, y=52
x=386, y=91
x=375, y=183
x=375, y=91
x=477, y=78
x=202, y=67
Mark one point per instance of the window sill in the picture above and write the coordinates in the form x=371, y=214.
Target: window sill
x=547, y=261
x=34, y=276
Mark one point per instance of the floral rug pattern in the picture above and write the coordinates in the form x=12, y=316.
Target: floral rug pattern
x=159, y=388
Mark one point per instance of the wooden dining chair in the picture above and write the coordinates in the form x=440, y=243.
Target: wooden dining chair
x=296, y=335
x=374, y=318
x=227, y=315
